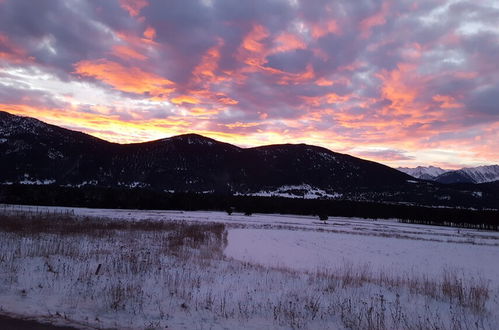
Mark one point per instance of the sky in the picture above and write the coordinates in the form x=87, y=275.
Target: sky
x=401, y=82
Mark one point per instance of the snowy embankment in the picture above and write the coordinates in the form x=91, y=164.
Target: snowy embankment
x=263, y=271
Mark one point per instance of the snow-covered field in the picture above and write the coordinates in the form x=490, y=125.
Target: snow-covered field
x=265, y=271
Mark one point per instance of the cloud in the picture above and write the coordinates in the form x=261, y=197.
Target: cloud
x=133, y=6
x=385, y=155
x=33, y=98
x=125, y=52
x=484, y=100
x=403, y=77
x=126, y=79
x=11, y=52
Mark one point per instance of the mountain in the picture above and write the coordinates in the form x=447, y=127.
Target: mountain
x=423, y=172
x=33, y=152
x=480, y=174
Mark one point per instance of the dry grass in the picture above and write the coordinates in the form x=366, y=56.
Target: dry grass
x=466, y=292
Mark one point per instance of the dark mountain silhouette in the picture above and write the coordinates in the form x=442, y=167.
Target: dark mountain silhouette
x=33, y=152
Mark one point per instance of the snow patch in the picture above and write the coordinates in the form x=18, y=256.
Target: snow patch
x=304, y=191
x=84, y=183
x=135, y=184
x=55, y=154
x=478, y=194
x=37, y=181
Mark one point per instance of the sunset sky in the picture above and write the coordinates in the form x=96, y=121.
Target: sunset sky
x=404, y=83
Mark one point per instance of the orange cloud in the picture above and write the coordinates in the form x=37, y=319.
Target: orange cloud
x=321, y=29
x=14, y=53
x=329, y=98
x=323, y=82
x=446, y=102
x=242, y=125
x=136, y=42
x=205, y=96
x=104, y=126
x=377, y=19
x=287, y=41
x=200, y=111
x=205, y=71
x=226, y=100
x=150, y=33
x=295, y=78
x=396, y=89
x=252, y=51
x=126, y=79
x=252, y=41
x=125, y=52
x=184, y=99
x=133, y=6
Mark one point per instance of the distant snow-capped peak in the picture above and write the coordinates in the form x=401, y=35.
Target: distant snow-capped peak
x=482, y=174
x=423, y=172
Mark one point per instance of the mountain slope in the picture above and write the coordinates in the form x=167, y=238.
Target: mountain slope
x=35, y=152
x=319, y=167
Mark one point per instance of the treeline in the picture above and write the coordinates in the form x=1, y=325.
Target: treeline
x=98, y=197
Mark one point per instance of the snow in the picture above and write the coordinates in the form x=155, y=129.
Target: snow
x=82, y=184
x=37, y=181
x=54, y=154
x=268, y=271
x=135, y=184
x=295, y=191
x=309, y=250
x=325, y=155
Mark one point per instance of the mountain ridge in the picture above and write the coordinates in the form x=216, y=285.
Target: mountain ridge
x=423, y=172
x=34, y=151
x=479, y=174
